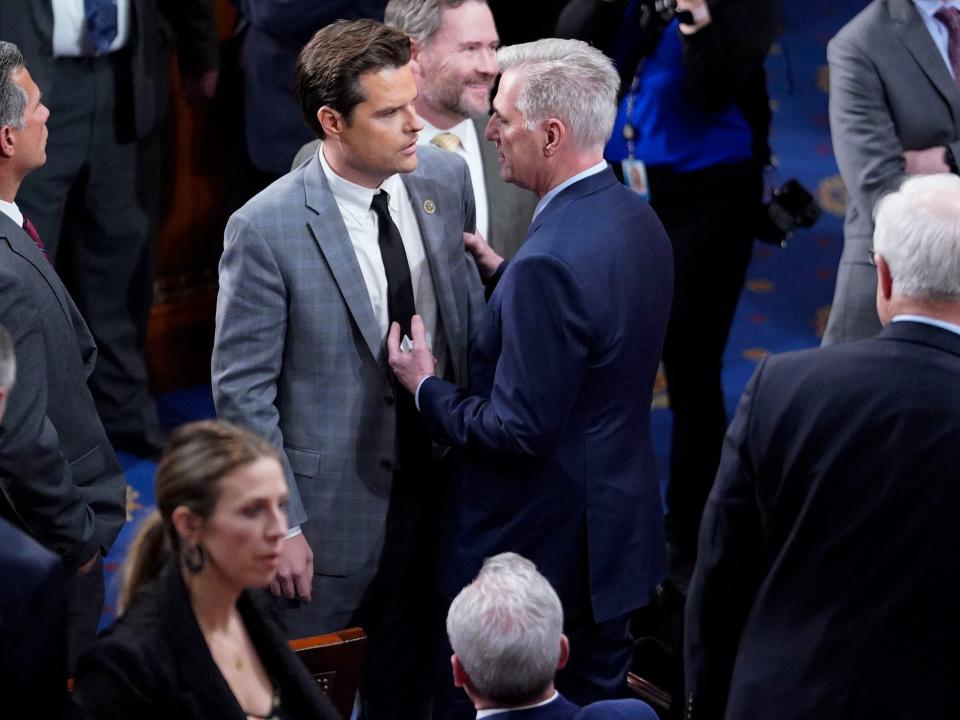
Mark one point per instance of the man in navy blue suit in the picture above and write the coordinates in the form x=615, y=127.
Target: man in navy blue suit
x=553, y=432
x=821, y=588
x=506, y=632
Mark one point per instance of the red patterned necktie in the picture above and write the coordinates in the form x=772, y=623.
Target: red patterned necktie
x=950, y=17
x=30, y=229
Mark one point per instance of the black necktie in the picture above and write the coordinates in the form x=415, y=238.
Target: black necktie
x=400, y=302
x=413, y=443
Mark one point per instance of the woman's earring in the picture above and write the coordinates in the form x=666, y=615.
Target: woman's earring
x=194, y=558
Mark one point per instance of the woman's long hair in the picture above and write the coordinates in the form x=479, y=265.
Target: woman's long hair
x=197, y=456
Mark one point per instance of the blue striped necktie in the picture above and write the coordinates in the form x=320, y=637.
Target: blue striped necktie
x=101, y=23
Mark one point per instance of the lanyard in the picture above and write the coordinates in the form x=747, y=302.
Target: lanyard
x=629, y=131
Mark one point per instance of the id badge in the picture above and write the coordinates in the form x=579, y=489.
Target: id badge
x=635, y=177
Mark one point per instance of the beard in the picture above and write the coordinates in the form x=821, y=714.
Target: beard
x=451, y=96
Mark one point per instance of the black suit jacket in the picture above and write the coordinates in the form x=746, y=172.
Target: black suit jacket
x=33, y=628
x=59, y=477
x=154, y=23
x=828, y=546
x=153, y=663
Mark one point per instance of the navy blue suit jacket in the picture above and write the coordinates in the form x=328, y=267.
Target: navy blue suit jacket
x=33, y=628
x=563, y=709
x=557, y=461
x=829, y=542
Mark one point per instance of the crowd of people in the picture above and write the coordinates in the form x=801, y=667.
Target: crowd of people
x=437, y=333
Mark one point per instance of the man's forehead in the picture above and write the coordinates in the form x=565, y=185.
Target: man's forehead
x=386, y=86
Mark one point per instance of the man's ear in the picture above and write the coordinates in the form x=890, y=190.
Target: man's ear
x=564, y=652
x=331, y=121
x=8, y=143
x=460, y=677
x=884, y=278
x=556, y=132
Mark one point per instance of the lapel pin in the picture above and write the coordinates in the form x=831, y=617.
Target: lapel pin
x=429, y=206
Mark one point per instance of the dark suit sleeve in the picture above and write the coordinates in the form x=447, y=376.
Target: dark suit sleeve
x=296, y=19
x=195, y=25
x=33, y=630
x=865, y=139
x=727, y=572
x=545, y=336
x=34, y=474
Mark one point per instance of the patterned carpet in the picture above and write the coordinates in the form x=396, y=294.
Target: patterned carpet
x=788, y=290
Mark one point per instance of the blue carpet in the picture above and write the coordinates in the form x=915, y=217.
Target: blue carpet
x=788, y=290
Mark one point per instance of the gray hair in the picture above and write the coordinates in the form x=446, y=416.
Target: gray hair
x=566, y=79
x=13, y=98
x=918, y=234
x=505, y=628
x=420, y=19
x=8, y=360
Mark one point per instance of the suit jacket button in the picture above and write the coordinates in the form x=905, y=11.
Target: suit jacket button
x=386, y=464
x=389, y=400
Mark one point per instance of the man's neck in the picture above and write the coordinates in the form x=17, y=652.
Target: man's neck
x=439, y=118
x=563, y=169
x=9, y=186
x=943, y=310
x=483, y=703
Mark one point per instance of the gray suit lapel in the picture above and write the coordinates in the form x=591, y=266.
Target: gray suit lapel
x=433, y=230
x=916, y=37
x=331, y=235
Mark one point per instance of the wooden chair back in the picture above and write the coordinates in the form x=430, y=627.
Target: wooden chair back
x=334, y=662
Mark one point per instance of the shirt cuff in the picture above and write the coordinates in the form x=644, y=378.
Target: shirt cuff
x=293, y=532
x=416, y=395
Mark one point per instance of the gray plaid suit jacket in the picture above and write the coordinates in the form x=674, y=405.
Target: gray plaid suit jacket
x=298, y=356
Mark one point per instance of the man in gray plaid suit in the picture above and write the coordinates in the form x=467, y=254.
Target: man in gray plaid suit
x=314, y=269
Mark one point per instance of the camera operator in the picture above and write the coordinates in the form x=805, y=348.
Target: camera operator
x=691, y=135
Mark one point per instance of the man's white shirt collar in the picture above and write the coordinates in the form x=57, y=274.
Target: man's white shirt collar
x=497, y=711
x=355, y=198
x=943, y=324
x=11, y=210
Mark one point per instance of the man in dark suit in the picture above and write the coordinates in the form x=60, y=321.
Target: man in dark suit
x=60, y=480
x=819, y=589
x=505, y=629
x=104, y=73
x=554, y=431
x=894, y=112
x=33, y=606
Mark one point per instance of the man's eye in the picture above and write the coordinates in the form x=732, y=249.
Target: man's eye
x=251, y=511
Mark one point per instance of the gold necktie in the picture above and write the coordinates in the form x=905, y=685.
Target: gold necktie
x=447, y=141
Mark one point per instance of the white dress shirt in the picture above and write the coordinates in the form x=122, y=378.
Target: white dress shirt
x=943, y=324
x=70, y=38
x=354, y=203
x=937, y=30
x=497, y=711
x=11, y=210
x=467, y=132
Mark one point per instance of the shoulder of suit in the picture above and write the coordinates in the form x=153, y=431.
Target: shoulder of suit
x=875, y=18
x=432, y=161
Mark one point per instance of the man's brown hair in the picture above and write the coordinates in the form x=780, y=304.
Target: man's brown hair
x=331, y=63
